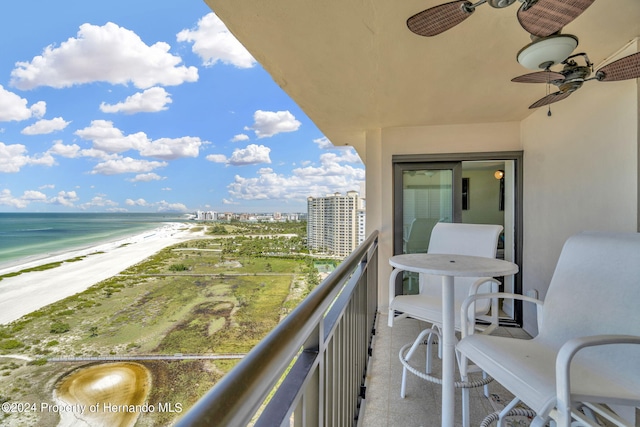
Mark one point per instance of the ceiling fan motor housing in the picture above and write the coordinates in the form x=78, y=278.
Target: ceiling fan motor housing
x=499, y=4
x=574, y=78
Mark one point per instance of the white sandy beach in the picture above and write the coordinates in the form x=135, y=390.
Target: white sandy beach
x=28, y=292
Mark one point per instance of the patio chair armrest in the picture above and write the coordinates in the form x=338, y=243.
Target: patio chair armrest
x=468, y=323
x=392, y=292
x=473, y=290
x=563, y=366
x=493, y=318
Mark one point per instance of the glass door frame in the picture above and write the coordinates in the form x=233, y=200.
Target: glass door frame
x=405, y=162
x=399, y=168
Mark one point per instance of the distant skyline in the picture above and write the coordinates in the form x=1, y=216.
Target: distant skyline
x=150, y=106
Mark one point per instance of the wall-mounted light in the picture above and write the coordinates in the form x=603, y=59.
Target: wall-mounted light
x=499, y=174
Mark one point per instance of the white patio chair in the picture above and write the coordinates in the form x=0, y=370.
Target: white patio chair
x=448, y=238
x=418, y=236
x=587, y=351
x=417, y=241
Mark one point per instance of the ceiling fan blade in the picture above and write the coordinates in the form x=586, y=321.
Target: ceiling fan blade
x=538, y=77
x=546, y=17
x=438, y=19
x=622, y=69
x=550, y=99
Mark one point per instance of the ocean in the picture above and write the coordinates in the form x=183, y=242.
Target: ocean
x=28, y=235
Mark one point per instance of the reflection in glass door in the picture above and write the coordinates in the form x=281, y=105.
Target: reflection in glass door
x=428, y=195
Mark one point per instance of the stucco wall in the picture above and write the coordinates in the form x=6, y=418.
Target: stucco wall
x=580, y=172
x=382, y=145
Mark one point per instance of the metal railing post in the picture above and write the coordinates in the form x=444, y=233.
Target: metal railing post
x=325, y=344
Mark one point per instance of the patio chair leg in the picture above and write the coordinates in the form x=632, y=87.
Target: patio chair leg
x=486, y=386
x=463, y=365
x=428, y=355
x=418, y=341
x=505, y=411
x=404, y=382
x=466, y=422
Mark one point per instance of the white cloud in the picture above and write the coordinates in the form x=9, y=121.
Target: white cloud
x=139, y=202
x=217, y=158
x=74, y=151
x=172, y=148
x=29, y=196
x=150, y=101
x=270, y=123
x=329, y=177
x=240, y=137
x=251, y=155
x=69, y=151
x=44, y=159
x=99, y=201
x=229, y=202
x=345, y=156
x=109, y=139
x=32, y=196
x=324, y=144
x=13, y=157
x=64, y=198
x=146, y=177
x=162, y=206
x=213, y=42
x=126, y=165
x=108, y=53
x=42, y=127
x=14, y=108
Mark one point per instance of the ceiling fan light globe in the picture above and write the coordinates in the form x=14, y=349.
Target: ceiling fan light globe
x=547, y=51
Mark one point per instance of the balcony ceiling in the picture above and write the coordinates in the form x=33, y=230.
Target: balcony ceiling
x=353, y=65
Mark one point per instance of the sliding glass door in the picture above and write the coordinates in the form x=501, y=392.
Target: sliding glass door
x=425, y=194
x=474, y=188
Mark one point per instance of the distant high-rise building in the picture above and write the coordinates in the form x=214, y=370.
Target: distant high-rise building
x=335, y=223
x=206, y=215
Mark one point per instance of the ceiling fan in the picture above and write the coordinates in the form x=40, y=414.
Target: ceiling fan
x=540, y=18
x=573, y=75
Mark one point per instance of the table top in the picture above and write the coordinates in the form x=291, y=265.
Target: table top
x=453, y=265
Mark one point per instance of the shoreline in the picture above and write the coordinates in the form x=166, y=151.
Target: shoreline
x=36, y=260
x=28, y=292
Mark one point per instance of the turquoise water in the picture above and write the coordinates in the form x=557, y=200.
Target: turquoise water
x=25, y=235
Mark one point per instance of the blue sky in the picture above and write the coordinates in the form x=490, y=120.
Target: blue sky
x=149, y=106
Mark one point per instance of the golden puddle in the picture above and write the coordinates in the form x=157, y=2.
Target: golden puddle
x=110, y=394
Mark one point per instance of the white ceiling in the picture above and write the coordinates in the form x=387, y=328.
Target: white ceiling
x=353, y=65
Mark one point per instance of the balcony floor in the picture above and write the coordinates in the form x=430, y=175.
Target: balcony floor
x=384, y=407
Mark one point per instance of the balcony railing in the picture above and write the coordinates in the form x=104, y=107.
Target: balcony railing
x=314, y=362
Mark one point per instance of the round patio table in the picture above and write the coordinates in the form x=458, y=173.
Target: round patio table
x=449, y=267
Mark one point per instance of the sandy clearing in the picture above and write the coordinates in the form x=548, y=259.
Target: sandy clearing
x=104, y=395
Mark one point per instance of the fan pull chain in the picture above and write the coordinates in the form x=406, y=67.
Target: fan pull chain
x=548, y=92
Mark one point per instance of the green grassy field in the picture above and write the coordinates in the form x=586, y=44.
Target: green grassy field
x=203, y=296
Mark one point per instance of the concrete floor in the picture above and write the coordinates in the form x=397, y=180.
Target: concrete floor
x=383, y=406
